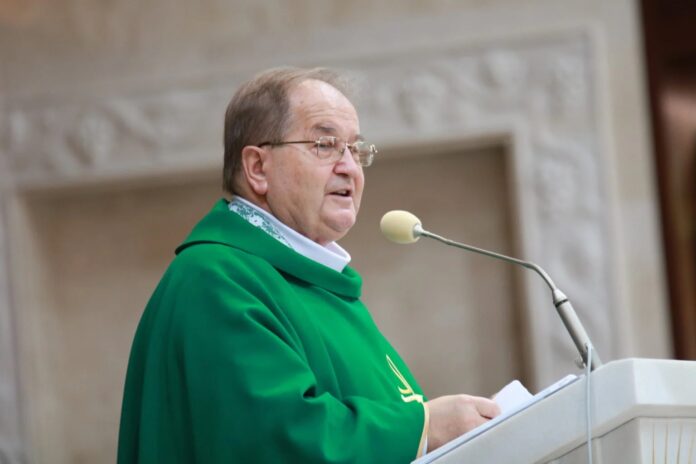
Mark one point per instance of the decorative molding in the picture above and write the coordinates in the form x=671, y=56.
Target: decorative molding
x=10, y=422
x=540, y=93
x=72, y=140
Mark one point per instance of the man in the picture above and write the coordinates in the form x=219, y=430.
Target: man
x=255, y=346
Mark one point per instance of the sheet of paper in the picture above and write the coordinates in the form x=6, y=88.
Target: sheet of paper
x=512, y=395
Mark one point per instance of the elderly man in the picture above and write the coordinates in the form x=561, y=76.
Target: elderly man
x=255, y=346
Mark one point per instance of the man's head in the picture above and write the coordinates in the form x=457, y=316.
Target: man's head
x=317, y=197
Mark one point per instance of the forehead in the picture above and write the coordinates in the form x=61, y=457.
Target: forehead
x=316, y=105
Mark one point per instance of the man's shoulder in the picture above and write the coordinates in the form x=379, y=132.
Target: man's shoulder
x=216, y=273
x=218, y=257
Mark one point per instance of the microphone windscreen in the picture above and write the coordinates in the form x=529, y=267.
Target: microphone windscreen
x=398, y=226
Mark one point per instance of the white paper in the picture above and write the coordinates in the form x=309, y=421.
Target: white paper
x=511, y=395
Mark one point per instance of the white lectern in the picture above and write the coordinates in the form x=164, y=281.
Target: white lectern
x=643, y=411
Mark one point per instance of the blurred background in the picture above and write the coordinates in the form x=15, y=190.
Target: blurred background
x=560, y=131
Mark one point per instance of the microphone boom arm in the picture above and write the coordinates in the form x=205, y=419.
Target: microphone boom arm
x=560, y=300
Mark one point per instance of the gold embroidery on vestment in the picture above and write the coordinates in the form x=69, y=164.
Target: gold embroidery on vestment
x=407, y=393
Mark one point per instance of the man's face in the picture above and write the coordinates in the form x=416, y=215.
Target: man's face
x=317, y=198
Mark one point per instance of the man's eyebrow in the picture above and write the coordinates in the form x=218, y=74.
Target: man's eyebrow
x=324, y=129
x=330, y=130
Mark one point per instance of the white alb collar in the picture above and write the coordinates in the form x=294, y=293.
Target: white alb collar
x=331, y=255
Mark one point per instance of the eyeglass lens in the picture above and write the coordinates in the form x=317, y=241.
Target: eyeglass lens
x=329, y=147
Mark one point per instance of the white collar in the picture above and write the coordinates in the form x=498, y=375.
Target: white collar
x=331, y=255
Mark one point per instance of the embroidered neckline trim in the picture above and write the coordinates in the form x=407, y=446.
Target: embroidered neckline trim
x=254, y=218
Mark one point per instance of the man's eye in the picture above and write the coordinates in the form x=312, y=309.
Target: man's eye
x=327, y=142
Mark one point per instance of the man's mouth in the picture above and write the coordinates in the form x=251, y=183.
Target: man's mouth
x=342, y=193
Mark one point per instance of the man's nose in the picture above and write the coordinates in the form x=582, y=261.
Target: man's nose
x=347, y=163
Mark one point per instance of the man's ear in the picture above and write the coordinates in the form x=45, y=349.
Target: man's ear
x=253, y=168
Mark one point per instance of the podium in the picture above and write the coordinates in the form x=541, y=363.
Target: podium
x=642, y=411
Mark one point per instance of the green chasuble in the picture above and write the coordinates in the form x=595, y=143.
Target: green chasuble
x=250, y=352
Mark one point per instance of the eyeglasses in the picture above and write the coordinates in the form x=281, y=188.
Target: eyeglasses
x=331, y=149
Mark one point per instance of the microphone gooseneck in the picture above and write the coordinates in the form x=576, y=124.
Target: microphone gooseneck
x=403, y=227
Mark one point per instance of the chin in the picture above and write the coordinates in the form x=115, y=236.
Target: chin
x=339, y=226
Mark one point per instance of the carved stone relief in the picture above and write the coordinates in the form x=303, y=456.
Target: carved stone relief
x=115, y=134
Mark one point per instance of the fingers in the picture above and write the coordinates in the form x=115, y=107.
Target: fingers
x=487, y=408
x=476, y=421
x=452, y=416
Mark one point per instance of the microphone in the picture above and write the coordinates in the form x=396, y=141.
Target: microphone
x=399, y=226
x=403, y=227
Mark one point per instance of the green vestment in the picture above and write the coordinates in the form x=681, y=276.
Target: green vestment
x=250, y=352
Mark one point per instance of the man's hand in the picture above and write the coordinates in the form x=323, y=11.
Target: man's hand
x=452, y=416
